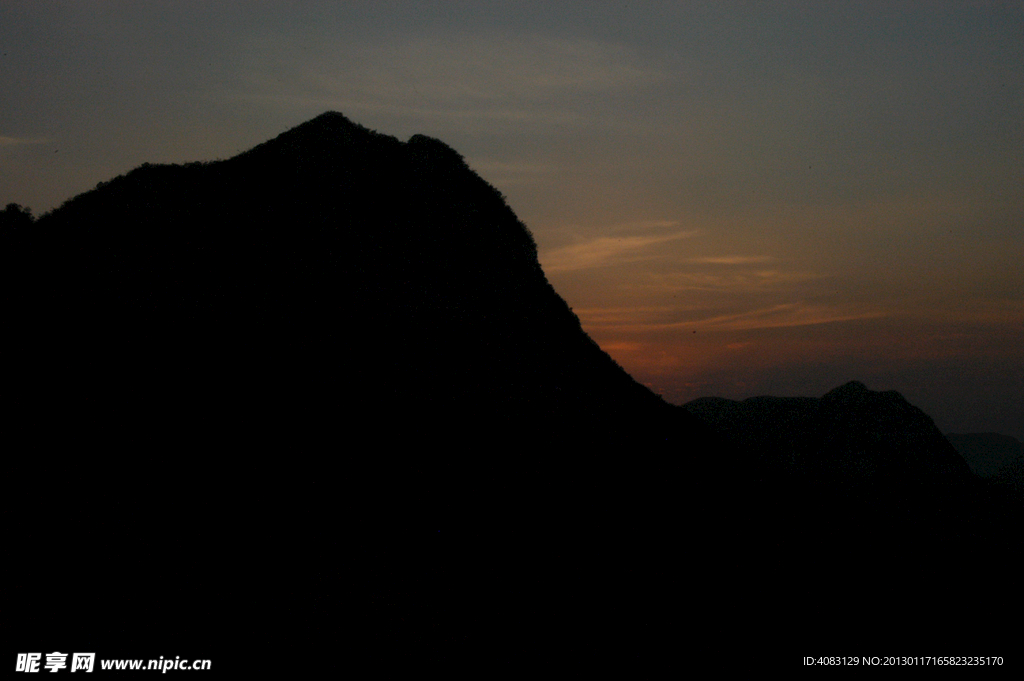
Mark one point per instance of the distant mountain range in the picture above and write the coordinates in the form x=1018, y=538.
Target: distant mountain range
x=851, y=436
x=319, y=401
x=861, y=502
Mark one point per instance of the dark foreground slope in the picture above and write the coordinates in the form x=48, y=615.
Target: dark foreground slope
x=319, y=400
x=871, y=530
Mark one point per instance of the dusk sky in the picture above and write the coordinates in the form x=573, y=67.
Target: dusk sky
x=736, y=198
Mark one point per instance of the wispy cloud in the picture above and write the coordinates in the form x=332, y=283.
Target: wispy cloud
x=732, y=260
x=642, y=320
x=17, y=141
x=604, y=251
x=788, y=314
x=492, y=68
x=620, y=316
x=490, y=77
x=505, y=173
x=647, y=226
x=728, y=281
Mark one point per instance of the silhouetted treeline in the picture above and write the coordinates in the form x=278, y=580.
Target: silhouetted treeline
x=15, y=216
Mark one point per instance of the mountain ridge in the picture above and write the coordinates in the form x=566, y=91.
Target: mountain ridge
x=306, y=146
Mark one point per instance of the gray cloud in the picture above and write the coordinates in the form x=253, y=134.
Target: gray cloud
x=463, y=76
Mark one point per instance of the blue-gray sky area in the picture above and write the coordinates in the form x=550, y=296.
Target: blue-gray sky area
x=736, y=198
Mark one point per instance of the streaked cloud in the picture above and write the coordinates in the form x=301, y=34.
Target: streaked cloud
x=625, y=316
x=728, y=281
x=640, y=321
x=515, y=78
x=18, y=141
x=605, y=251
x=623, y=346
x=788, y=314
x=489, y=68
x=732, y=260
x=511, y=173
x=646, y=225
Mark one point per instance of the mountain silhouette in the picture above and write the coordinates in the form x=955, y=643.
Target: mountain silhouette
x=324, y=376
x=318, y=402
x=328, y=252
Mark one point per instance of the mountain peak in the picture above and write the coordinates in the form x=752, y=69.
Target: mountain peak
x=321, y=137
x=851, y=388
x=331, y=119
x=857, y=392
x=331, y=116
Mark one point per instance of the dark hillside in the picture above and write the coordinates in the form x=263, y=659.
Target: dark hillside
x=327, y=372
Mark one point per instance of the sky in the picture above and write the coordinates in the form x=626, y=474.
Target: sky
x=736, y=198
